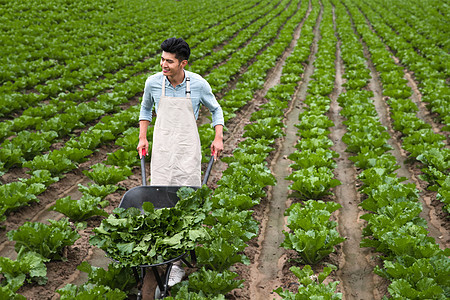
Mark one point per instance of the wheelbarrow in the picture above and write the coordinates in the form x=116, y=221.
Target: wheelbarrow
x=160, y=197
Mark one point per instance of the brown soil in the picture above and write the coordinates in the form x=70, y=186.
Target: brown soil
x=270, y=263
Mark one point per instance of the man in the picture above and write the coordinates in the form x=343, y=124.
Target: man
x=177, y=95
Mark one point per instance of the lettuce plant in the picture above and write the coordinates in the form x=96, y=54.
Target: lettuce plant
x=28, y=267
x=311, y=286
x=309, y=158
x=211, y=283
x=97, y=190
x=7, y=293
x=312, y=183
x=17, y=194
x=312, y=234
x=424, y=278
x=123, y=158
x=80, y=210
x=55, y=162
x=47, y=240
x=90, y=291
x=115, y=277
x=104, y=175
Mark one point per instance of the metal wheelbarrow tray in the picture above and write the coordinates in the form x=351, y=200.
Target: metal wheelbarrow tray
x=160, y=197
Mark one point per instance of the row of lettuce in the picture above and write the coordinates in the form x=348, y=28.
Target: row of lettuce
x=312, y=233
x=412, y=261
x=76, y=149
x=418, y=137
x=425, y=54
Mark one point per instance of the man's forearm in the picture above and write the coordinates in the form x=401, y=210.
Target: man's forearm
x=143, y=143
x=219, y=131
x=143, y=126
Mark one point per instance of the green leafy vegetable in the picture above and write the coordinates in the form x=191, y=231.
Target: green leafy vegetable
x=90, y=291
x=123, y=158
x=311, y=286
x=154, y=236
x=96, y=190
x=313, y=236
x=104, y=175
x=17, y=194
x=80, y=210
x=29, y=266
x=7, y=293
x=47, y=240
x=56, y=163
x=115, y=277
x=312, y=183
x=269, y=128
x=211, y=283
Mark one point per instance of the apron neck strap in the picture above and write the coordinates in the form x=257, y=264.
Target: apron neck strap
x=188, y=87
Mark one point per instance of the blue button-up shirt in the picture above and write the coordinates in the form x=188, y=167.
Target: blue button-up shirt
x=201, y=93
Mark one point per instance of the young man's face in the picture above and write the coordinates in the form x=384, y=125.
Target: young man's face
x=170, y=65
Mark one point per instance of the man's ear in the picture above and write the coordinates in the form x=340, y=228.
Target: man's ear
x=184, y=63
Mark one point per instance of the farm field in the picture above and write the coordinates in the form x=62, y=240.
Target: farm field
x=336, y=150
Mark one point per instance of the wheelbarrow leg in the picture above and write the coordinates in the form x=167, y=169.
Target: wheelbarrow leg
x=139, y=280
x=161, y=281
x=193, y=260
x=149, y=285
x=163, y=285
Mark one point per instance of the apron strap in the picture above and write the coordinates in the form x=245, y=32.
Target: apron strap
x=163, y=91
x=188, y=87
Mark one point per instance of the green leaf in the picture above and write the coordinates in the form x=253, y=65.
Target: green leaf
x=123, y=158
x=312, y=183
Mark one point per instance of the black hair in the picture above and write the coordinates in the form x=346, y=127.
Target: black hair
x=178, y=46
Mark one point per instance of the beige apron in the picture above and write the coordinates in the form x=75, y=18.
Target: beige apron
x=176, y=150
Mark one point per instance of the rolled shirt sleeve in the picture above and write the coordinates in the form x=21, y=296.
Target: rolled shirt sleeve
x=147, y=101
x=209, y=100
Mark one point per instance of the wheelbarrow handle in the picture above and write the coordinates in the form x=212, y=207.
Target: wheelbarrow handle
x=208, y=170
x=144, y=177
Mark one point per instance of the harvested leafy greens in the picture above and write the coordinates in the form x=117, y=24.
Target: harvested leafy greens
x=134, y=238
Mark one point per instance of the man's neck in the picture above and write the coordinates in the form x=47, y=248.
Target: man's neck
x=177, y=79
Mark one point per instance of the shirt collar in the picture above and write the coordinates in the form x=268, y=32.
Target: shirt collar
x=167, y=82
